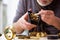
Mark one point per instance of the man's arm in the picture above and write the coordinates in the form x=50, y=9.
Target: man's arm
x=20, y=10
x=19, y=13
x=18, y=28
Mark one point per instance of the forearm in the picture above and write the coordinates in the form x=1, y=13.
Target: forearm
x=17, y=28
x=57, y=23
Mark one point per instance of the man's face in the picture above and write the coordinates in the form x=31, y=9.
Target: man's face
x=44, y=2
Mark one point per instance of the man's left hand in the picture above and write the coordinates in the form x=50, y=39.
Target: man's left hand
x=48, y=16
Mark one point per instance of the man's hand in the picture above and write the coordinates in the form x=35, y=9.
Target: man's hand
x=47, y=16
x=23, y=24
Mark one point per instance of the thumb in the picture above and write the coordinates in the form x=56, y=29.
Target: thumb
x=40, y=12
x=26, y=15
x=41, y=9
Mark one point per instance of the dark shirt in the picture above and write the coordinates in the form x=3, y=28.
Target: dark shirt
x=25, y=5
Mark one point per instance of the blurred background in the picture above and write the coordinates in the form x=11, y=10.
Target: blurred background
x=7, y=12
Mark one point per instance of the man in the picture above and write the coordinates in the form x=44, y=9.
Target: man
x=48, y=9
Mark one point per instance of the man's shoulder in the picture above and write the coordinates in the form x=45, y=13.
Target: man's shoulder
x=27, y=0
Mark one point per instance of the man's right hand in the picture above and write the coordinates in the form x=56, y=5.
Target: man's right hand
x=23, y=24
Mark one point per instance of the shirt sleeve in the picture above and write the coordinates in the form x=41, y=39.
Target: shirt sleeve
x=20, y=10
